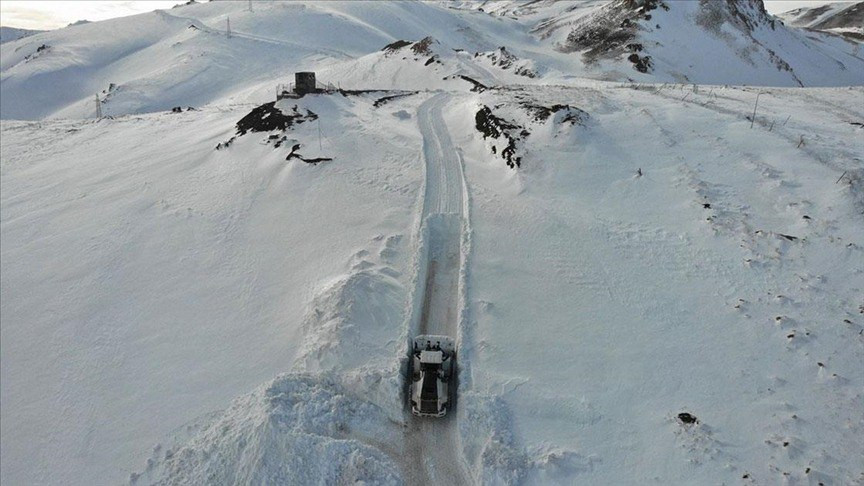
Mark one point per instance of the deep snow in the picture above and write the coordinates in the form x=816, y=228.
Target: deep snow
x=174, y=313
x=630, y=301
x=157, y=256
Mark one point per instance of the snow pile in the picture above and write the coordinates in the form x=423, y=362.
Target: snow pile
x=355, y=327
x=353, y=320
x=337, y=418
x=298, y=429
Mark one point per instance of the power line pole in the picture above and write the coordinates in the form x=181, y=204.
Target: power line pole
x=98, y=108
x=228, y=29
x=250, y=6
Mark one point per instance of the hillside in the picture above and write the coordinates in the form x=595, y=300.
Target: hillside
x=701, y=42
x=9, y=34
x=648, y=281
x=183, y=294
x=841, y=18
x=184, y=57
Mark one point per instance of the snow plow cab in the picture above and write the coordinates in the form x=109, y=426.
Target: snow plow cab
x=433, y=363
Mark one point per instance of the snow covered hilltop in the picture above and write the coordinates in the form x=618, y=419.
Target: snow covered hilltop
x=641, y=221
x=183, y=56
x=8, y=34
x=840, y=18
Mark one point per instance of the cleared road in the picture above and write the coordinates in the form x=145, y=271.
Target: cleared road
x=433, y=445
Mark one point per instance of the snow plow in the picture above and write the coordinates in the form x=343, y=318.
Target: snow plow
x=433, y=366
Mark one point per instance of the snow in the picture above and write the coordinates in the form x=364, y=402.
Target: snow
x=8, y=34
x=813, y=16
x=842, y=18
x=184, y=304
x=624, y=301
x=183, y=56
x=271, y=436
x=154, y=261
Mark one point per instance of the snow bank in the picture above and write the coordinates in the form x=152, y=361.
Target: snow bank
x=297, y=429
x=354, y=330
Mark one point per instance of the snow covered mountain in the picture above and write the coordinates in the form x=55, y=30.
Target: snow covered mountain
x=843, y=18
x=184, y=57
x=647, y=282
x=8, y=34
x=707, y=42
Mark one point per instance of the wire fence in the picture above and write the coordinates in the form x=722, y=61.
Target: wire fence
x=287, y=90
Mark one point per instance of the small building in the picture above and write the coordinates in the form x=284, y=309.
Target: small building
x=304, y=83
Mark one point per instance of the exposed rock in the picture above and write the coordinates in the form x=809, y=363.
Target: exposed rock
x=608, y=32
x=382, y=101
x=423, y=46
x=687, y=418
x=504, y=59
x=540, y=113
x=267, y=117
x=313, y=161
x=492, y=126
x=395, y=46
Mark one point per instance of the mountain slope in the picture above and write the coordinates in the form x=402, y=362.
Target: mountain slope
x=175, y=276
x=184, y=57
x=648, y=282
x=705, y=42
x=8, y=34
x=842, y=18
x=165, y=279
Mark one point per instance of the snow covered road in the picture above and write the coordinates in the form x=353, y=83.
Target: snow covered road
x=433, y=445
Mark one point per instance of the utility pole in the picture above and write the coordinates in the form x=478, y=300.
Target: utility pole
x=250, y=6
x=228, y=29
x=98, y=108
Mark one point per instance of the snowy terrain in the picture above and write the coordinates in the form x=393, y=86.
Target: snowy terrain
x=183, y=56
x=646, y=284
x=8, y=34
x=842, y=18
